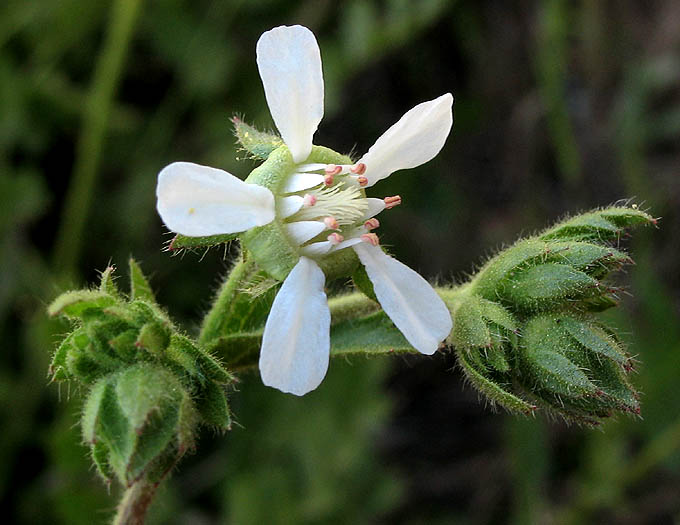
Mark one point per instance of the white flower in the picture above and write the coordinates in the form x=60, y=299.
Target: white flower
x=313, y=199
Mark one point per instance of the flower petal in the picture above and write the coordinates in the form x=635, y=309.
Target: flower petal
x=296, y=342
x=302, y=231
x=197, y=200
x=317, y=248
x=290, y=205
x=301, y=181
x=375, y=206
x=407, y=298
x=289, y=61
x=416, y=138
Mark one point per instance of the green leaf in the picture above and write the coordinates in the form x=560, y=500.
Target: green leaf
x=371, y=335
x=498, y=270
x=100, y=457
x=598, y=226
x=212, y=406
x=154, y=338
x=124, y=344
x=495, y=356
x=58, y=367
x=139, y=285
x=594, y=259
x=543, y=354
x=258, y=144
x=548, y=285
x=497, y=314
x=74, y=304
x=470, y=330
x=90, y=416
x=182, y=242
x=594, y=339
x=237, y=351
x=493, y=391
x=150, y=399
x=198, y=362
x=106, y=284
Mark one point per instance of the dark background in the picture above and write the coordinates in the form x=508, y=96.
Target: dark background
x=561, y=106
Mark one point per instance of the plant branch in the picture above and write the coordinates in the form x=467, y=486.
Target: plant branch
x=135, y=503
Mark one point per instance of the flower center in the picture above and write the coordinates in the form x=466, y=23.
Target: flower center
x=324, y=208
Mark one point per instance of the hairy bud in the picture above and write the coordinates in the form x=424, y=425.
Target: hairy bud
x=149, y=386
x=525, y=330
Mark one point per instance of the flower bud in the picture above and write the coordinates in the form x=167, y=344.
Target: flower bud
x=149, y=385
x=524, y=329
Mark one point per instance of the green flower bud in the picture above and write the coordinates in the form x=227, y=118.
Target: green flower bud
x=149, y=385
x=524, y=329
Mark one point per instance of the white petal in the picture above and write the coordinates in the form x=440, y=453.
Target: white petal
x=290, y=205
x=296, y=341
x=304, y=168
x=375, y=206
x=290, y=67
x=416, y=138
x=302, y=231
x=317, y=248
x=197, y=200
x=347, y=243
x=407, y=298
x=302, y=181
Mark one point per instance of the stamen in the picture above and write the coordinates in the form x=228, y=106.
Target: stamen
x=331, y=223
x=333, y=169
x=308, y=200
x=363, y=181
x=328, y=179
x=391, y=202
x=358, y=169
x=370, y=238
x=371, y=224
x=342, y=202
x=335, y=238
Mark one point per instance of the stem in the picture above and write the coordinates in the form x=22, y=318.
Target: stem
x=213, y=323
x=96, y=114
x=135, y=503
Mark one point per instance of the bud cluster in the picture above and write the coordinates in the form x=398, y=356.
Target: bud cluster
x=149, y=386
x=526, y=331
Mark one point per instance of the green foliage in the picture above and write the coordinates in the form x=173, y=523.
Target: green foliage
x=524, y=329
x=149, y=386
x=257, y=144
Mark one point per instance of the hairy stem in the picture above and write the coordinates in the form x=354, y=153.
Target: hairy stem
x=213, y=322
x=135, y=503
x=96, y=114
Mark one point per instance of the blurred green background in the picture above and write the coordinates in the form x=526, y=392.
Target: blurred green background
x=560, y=106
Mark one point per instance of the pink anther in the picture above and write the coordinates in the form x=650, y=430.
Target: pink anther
x=363, y=181
x=331, y=223
x=391, y=202
x=370, y=238
x=328, y=179
x=335, y=238
x=333, y=169
x=358, y=169
x=308, y=200
x=372, y=224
